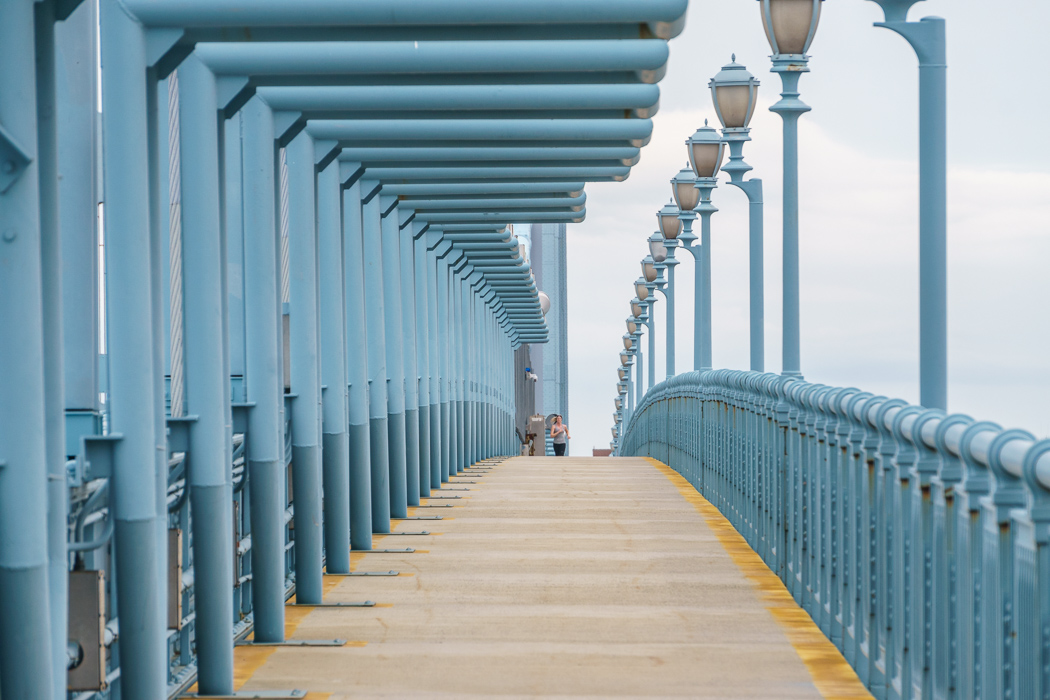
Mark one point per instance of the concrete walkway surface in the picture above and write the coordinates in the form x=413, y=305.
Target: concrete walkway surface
x=560, y=578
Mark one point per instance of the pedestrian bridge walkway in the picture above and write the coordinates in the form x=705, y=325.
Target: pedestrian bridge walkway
x=573, y=577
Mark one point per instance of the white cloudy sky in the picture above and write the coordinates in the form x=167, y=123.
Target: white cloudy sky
x=859, y=203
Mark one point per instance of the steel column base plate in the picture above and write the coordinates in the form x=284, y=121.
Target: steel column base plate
x=293, y=643
x=406, y=550
x=366, y=573
x=353, y=604
x=260, y=694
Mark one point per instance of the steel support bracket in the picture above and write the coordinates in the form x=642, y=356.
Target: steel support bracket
x=13, y=161
x=96, y=455
x=241, y=411
x=179, y=433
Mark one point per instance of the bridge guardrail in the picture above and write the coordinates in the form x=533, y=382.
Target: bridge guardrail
x=917, y=541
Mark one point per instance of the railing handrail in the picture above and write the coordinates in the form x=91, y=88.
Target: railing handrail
x=1019, y=455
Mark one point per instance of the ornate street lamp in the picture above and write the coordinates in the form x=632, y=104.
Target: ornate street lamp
x=625, y=359
x=637, y=310
x=790, y=27
x=734, y=92
x=657, y=249
x=628, y=342
x=640, y=289
x=928, y=38
x=669, y=223
x=649, y=271
x=706, y=152
x=621, y=373
x=632, y=326
x=545, y=303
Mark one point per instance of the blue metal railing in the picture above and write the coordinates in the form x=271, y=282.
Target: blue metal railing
x=917, y=541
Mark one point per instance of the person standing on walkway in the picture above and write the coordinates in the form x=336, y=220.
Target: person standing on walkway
x=560, y=436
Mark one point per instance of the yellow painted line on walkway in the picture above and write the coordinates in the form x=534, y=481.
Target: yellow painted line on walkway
x=834, y=678
x=247, y=660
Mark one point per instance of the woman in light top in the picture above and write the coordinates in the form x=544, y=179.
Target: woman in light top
x=560, y=436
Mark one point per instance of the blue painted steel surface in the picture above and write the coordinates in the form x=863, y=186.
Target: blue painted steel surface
x=927, y=38
x=207, y=383
x=343, y=311
x=918, y=542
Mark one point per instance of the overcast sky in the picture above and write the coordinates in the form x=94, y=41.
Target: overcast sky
x=859, y=213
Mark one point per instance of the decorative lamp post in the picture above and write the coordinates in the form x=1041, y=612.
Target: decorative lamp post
x=637, y=309
x=790, y=27
x=928, y=38
x=625, y=359
x=706, y=152
x=632, y=326
x=628, y=342
x=734, y=92
x=687, y=197
x=621, y=373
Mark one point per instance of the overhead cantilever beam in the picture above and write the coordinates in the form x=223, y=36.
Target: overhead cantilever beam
x=641, y=100
x=646, y=59
x=664, y=19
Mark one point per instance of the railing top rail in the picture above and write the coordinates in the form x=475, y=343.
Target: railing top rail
x=1011, y=454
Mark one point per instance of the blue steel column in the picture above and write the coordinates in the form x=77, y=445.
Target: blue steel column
x=426, y=266
x=26, y=666
x=459, y=373
x=357, y=372
x=305, y=364
x=158, y=136
x=207, y=383
x=264, y=383
x=419, y=269
x=54, y=394
x=132, y=397
x=439, y=287
x=335, y=451
x=395, y=367
x=928, y=38
x=379, y=438
x=413, y=457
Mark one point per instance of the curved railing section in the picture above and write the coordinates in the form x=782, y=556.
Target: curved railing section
x=917, y=541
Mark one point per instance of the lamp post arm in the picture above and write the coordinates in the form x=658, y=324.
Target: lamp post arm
x=928, y=38
x=756, y=234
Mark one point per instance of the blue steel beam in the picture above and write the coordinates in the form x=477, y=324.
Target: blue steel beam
x=646, y=59
x=663, y=18
x=640, y=100
x=634, y=131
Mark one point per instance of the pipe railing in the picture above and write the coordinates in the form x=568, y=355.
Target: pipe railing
x=917, y=541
